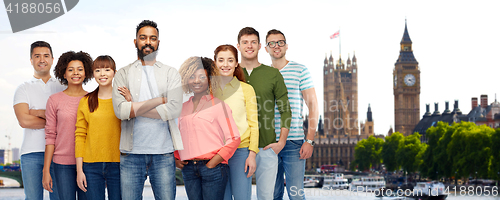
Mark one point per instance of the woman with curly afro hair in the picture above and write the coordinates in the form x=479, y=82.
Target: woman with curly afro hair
x=209, y=134
x=73, y=70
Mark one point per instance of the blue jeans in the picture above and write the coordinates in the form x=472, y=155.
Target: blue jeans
x=265, y=174
x=32, y=172
x=202, y=183
x=65, y=178
x=101, y=175
x=294, y=169
x=134, y=168
x=237, y=179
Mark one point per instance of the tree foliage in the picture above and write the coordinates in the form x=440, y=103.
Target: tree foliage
x=470, y=149
x=462, y=149
x=367, y=153
x=435, y=157
x=407, y=153
x=495, y=155
x=389, y=149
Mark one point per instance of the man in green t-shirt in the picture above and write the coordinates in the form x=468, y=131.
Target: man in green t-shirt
x=270, y=89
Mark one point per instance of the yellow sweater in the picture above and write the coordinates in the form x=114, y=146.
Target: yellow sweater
x=97, y=135
x=241, y=99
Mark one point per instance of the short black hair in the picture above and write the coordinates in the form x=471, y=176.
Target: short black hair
x=40, y=44
x=146, y=23
x=274, y=31
x=248, y=31
x=66, y=58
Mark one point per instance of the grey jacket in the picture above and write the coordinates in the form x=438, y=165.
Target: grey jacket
x=169, y=85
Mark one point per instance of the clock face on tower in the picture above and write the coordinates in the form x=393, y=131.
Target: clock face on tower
x=395, y=81
x=409, y=80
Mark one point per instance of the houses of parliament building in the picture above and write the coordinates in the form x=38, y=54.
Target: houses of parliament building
x=339, y=131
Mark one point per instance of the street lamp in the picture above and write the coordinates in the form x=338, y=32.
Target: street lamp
x=498, y=177
x=476, y=179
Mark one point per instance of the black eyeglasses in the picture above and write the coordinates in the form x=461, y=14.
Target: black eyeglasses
x=280, y=43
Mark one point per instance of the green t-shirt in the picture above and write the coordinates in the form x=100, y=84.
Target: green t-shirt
x=270, y=89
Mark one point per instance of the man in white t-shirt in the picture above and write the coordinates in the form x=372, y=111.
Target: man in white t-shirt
x=30, y=100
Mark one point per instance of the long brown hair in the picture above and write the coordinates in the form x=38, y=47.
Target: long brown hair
x=100, y=62
x=238, y=71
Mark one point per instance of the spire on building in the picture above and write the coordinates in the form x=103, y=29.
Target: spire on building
x=406, y=37
x=331, y=57
x=369, y=114
x=326, y=59
x=321, y=130
x=406, y=52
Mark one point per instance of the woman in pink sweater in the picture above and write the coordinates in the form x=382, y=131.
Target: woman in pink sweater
x=72, y=69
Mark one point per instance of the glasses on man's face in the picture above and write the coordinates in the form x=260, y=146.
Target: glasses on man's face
x=280, y=43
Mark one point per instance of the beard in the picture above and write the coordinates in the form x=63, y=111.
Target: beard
x=147, y=57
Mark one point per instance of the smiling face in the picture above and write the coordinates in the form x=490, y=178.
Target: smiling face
x=104, y=76
x=198, y=82
x=276, y=52
x=226, y=63
x=249, y=46
x=41, y=59
x=146, y=42
x=75, y=73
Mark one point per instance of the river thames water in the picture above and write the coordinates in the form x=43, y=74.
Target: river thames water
x=310, y=193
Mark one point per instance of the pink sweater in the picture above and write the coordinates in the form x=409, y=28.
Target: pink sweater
x=60, y=126
x=208, y=130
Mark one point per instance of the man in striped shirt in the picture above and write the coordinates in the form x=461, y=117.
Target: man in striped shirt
x=292, y=158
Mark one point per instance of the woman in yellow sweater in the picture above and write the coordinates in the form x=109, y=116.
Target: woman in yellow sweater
x=240, y=97
x=97, y=136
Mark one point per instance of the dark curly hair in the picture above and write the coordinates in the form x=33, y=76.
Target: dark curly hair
x=66, y=58
x=146, y=23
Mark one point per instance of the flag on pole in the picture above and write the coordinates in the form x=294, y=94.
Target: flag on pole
x=335, y=35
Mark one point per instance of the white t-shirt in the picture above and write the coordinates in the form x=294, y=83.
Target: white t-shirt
x=35, y=93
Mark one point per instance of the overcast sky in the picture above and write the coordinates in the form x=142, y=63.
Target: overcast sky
x=455, y=43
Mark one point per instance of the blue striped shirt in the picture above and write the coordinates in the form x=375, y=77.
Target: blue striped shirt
x=297, y=78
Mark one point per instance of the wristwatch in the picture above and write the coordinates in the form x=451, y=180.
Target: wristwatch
x=311, y=142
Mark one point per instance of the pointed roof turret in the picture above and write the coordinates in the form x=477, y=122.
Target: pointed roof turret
x=348, y=60
x=326, y=60
x=340, y=63
x=354, y=57
x=406, y=37
x=406, y=52
x=369, y=114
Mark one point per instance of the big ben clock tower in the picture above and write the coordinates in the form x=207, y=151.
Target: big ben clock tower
x=406, y=85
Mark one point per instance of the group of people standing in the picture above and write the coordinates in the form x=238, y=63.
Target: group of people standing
x=243, y=118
